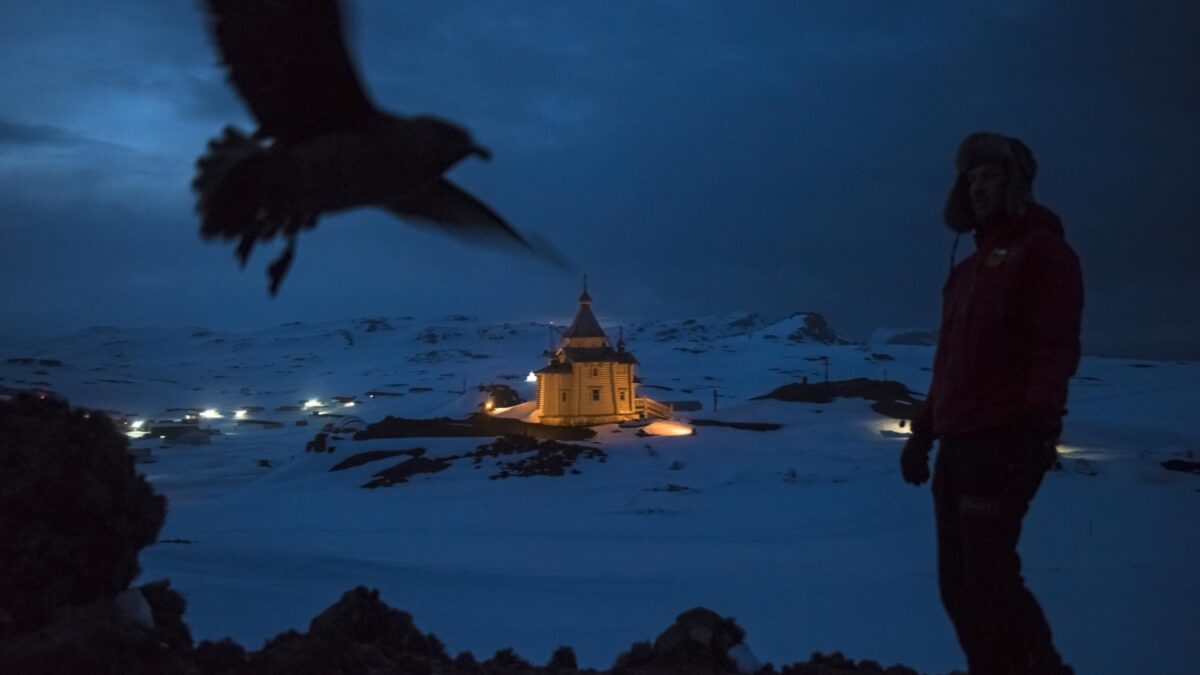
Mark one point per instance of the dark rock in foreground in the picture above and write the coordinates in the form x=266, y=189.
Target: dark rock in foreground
x=99, y=639
x=836, y=664
x=73, y=510
x=698, y=642
x=359, y=634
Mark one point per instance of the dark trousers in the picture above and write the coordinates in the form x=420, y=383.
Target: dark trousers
x=982, y=486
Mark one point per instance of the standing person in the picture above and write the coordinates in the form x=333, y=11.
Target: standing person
x=1008, y=345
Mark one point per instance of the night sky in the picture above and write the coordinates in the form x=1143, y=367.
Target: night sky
x=693, y=158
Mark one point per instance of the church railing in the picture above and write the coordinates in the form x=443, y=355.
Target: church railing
x=650, y=408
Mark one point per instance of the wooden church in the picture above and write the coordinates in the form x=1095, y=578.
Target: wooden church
x=588, y=382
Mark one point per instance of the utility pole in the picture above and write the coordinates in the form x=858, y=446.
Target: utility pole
x=825, y=360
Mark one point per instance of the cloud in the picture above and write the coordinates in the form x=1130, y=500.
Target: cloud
x=20, y=135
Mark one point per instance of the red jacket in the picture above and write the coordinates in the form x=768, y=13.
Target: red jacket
x=1009, y=340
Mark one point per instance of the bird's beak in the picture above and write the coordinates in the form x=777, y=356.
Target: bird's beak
x=483, y=152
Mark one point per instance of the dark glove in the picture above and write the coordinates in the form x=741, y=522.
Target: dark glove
x=914, y=460
x=1037, y=433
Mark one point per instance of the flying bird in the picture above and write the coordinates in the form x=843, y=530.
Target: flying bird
x=322, y=145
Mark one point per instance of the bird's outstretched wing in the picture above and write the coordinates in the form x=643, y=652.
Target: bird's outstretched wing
x=453, y=211
x=288, y=60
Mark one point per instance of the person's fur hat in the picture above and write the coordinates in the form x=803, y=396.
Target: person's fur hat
x=981, y=147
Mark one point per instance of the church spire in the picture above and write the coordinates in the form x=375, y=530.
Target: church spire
x=585, y=299
x=585, y=324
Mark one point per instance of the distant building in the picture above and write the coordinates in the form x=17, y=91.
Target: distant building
x=588, y=382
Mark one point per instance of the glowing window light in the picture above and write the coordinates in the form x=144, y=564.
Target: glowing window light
x=348, y=404
x=239, y=414
x=313, y=403
x=211, y=414
x=531, y=377
x=489, y=405
x=137, y=424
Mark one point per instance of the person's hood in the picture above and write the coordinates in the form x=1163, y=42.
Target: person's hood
x=1040, y=216
x=978, y=148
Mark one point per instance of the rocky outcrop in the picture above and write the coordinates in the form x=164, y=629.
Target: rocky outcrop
x=73, y=510
x=814, y=328
x=890, y=398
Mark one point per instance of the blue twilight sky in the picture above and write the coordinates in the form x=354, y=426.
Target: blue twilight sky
x=692, y=157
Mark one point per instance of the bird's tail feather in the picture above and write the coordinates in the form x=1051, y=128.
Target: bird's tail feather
x=228, y=185
x=240, y=194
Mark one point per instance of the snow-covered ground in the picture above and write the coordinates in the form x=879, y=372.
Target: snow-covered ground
x=806, y=534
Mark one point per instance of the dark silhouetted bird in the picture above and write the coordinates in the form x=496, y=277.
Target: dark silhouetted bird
x=321, y=144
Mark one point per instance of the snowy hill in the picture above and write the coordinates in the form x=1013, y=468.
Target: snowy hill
x=805, y=534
